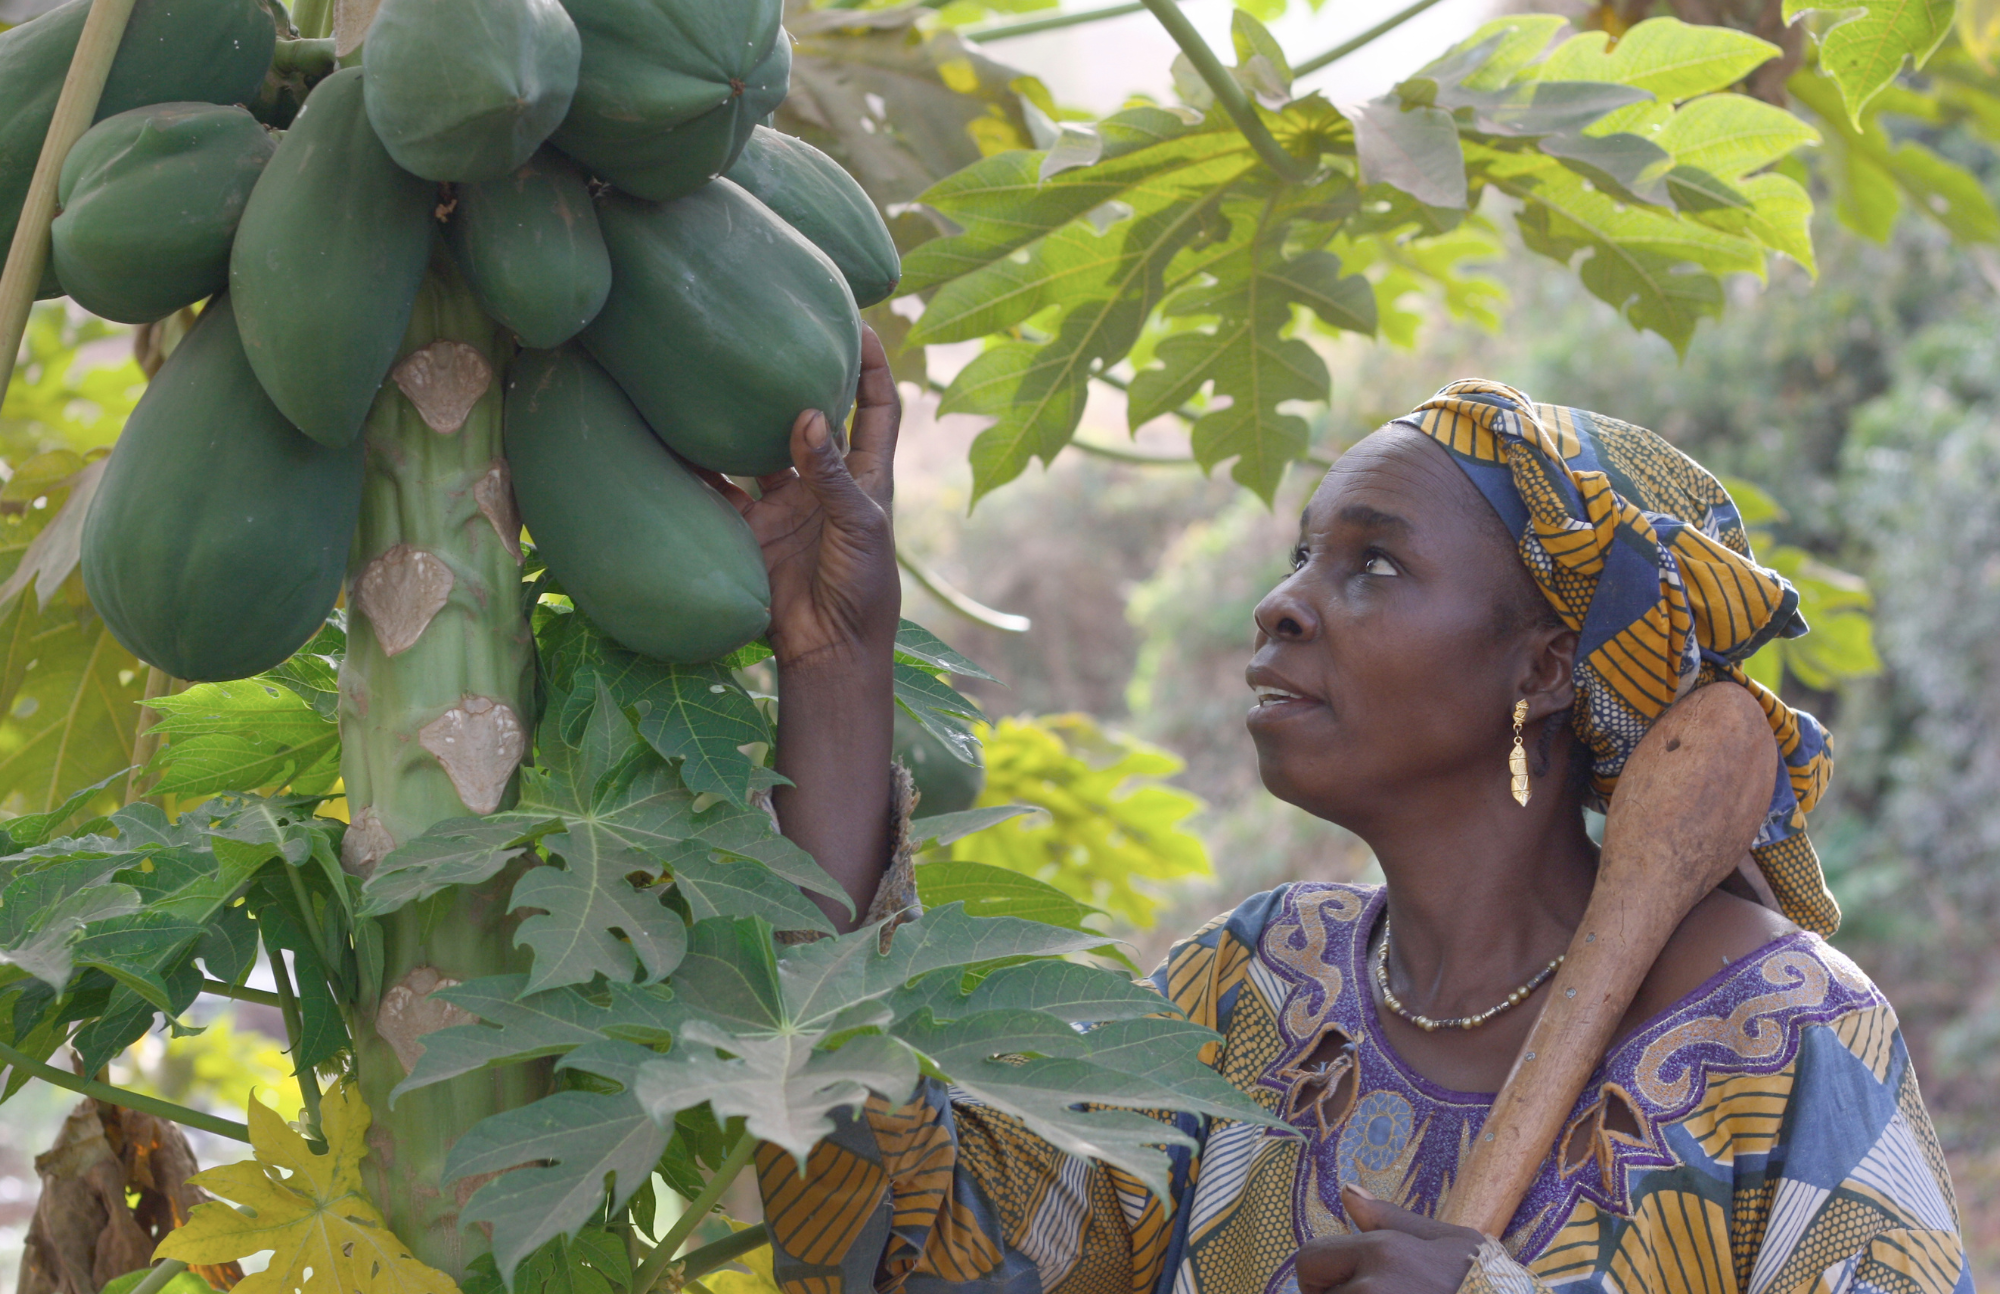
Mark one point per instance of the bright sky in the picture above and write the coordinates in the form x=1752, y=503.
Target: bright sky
x=1096, y=65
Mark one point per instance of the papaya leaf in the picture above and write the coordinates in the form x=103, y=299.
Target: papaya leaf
x=1868, y=43
x=943, y=713
x=68, y=700
x=586, y=905
x=990, y=891
x=1067, y=991
x=916, y=645
x=1660, y=271
x=53, y=553
x=42, y=949
x=310, y=1208
x=571, y=1142
x=245, y=735
x=1414, y=149
x=945, y=828
x=717, y=885
x=593, y=1262
x=696, y=714
x=1871, y=173
x=1247, y=358
x=458, y=851
x=31, y=829
x=522, y=1026
x=1672, y=59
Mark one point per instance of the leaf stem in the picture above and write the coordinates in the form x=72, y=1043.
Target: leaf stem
x=1030, y=26
x=157, y=1279
x=288, y=1005
x=119, y=1096
x=977, y=612
x=1116, y=455
x=96, y=47
x=1374, y=33
x=1228, y=93
x=242, y=993
x=698, y=1208
x=726, y=1250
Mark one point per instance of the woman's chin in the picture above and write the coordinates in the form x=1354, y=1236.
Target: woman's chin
x=1295, y=742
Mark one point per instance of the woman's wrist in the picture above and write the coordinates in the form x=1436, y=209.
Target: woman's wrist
x=871, y=653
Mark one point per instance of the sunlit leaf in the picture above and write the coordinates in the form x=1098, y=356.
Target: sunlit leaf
x=310, y=1208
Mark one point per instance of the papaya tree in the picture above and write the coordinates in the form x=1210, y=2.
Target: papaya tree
x=451, y=646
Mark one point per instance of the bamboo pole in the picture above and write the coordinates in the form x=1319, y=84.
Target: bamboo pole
x=76, y=106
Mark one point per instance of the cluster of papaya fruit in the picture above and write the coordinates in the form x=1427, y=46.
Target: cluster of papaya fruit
x=682, y=280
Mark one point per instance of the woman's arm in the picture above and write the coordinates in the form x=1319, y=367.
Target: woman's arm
x=836, y=599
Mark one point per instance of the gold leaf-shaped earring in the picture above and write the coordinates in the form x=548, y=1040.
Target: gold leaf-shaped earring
x=1517, y=759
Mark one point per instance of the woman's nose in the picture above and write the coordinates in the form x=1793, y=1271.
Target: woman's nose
x=1284, y=615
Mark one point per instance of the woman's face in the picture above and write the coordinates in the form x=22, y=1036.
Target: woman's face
x=1389, y=662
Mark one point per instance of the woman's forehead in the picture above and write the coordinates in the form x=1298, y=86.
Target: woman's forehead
x=1395, y=478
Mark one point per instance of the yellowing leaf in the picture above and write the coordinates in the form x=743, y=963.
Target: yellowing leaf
x=309, y=1208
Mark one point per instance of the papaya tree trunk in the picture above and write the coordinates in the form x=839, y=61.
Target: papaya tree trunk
x=436, y=708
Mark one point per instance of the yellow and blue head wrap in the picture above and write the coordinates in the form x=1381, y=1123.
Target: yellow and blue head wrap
x=1643, y=554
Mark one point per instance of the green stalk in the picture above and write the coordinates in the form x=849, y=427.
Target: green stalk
x=242, y=993
x=157, y=1279
x=1228, y=93
x=436, y=704
x=698, y=1208
x=89, y=68
x=119, y=1096
x=288, y=1007
x=1031, y=26
x=1117, y=455
x=1374, y=33
x=706, y=1259
x=938, y=587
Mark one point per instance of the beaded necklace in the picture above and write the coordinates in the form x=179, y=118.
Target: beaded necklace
x=1427, y=1024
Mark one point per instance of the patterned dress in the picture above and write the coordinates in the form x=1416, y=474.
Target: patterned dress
x=1764, y=1135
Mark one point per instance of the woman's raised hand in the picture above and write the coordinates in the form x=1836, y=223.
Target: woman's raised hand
x=836, y=599
x=1391, y=1251
x=824, y=525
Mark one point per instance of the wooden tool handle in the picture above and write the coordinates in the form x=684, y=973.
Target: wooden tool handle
x=1688, y=805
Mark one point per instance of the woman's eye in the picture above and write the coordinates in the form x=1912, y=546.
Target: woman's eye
x=1377, y=564
x=1299, y=558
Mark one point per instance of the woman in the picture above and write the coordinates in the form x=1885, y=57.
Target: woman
x=1482, y=577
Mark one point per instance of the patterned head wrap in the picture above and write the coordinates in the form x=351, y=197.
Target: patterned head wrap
x=1643, y=553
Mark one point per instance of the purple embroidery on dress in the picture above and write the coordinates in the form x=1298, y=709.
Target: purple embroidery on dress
x=1403, y=1137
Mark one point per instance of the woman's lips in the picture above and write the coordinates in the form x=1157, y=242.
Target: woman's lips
x=1276, y=703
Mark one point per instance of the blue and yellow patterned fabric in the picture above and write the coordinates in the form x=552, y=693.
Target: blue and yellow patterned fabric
x=1763, y=1136
x=1642, y=552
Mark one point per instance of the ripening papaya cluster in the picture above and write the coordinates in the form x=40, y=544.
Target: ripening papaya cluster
x=682, y=280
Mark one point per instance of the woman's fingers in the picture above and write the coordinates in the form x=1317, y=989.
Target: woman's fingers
x=878, y=416
x=824, y=470
x=1331, y=1262
x=1371, y=1214
x=728, y=489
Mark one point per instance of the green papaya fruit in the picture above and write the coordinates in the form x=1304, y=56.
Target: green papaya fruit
x=945, y=783
x=817, y=197
x=150, y=199
x=217, y=540
x=670, y=89
x=724, y=324
x=648, y=550
x=529, y=245
x=327, y=259
x=468, y=89
x=214, y=51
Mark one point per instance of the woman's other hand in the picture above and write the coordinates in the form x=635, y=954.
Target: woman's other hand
x=825, y=528
x=1391, y=1251
x=836, y=599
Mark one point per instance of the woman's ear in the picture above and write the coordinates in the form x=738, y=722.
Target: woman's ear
x=1551, y=682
